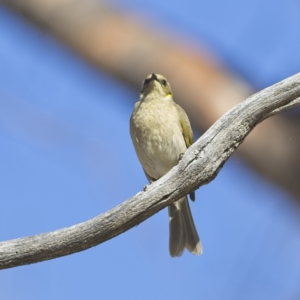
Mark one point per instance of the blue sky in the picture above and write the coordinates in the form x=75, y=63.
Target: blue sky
x=67, y=157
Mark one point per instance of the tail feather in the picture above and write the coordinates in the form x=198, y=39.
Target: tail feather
x=177, y=230
x=183, y=233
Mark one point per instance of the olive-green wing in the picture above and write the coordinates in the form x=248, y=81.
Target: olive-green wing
x=186, y=132
x=185, y=126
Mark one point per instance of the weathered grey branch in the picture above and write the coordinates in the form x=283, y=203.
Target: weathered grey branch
x=200, y=165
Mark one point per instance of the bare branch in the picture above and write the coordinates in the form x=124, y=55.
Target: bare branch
x=200, y=165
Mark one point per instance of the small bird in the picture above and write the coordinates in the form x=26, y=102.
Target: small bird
x=161, y=132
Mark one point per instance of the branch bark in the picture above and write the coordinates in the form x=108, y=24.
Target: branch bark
x=200, y=165
x=130, y=49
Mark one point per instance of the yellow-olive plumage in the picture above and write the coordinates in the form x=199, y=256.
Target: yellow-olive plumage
x=161, y=132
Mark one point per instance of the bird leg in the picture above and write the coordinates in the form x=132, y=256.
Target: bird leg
x=146, y=186
x=180, y=156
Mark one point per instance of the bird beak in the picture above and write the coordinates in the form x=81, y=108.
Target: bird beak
x=153, y=77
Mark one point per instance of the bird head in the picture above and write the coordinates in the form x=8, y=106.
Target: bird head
x=157, y=86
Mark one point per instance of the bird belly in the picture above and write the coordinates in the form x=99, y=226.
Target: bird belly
x=159, y=149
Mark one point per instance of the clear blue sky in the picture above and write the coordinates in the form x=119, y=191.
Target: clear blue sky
x=66, y=156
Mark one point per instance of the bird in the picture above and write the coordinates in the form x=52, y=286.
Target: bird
x=161, y=133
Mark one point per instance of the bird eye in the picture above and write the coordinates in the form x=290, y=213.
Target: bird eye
x=164, y=82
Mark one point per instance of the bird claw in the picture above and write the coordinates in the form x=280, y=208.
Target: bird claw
x=180, y=156
x=145, y=188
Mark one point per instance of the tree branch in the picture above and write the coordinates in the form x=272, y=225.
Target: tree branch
x=200, y=165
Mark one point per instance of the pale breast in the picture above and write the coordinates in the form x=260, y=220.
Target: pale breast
x=157, y=137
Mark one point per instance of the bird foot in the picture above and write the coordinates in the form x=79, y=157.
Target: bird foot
x=180, y=156
x=145, y=188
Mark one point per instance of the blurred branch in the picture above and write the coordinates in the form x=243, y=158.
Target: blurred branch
x=129, y=50
x=200, y=165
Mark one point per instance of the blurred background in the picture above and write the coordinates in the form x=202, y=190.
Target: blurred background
x=70, y=72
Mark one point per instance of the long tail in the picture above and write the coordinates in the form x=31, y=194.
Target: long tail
x=183, y=233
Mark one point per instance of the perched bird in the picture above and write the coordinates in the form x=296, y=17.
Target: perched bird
x=161, y=132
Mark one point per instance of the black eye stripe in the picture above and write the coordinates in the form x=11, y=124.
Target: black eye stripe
x=146, y=81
